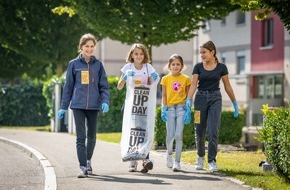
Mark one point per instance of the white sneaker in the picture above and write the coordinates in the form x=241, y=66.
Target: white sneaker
x=89, y=167
x=133, y=166
x=83, y=173
x=199, y=163
x=176, y=167
x=169, y=161
x=212, y=166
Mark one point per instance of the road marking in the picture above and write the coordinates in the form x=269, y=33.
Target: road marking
x=50, y=177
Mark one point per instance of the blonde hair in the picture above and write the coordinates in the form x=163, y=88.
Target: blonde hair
x=146, y=59
x=171, y=59
x=84, y=39
x=211, y=47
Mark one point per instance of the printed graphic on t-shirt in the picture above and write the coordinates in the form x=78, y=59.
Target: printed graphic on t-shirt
x=85, y=77
x=177, y=87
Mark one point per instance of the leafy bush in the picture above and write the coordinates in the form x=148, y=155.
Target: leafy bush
x=276, y=138
x=24, y=105
x=112, y=122
x=231, y=128
x=47, y=91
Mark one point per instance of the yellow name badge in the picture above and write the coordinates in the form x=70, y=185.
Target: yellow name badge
x=137, y=81
x=196, y=116
x=85, y=77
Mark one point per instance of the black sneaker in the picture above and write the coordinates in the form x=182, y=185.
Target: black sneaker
x=147, y=165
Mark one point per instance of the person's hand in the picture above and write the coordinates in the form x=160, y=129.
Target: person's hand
x=154, y=75
x=164, y=114
x=188, y=103
x=105, y=107
x=187, y=116
x=236, y=107
x=60, y=113
x=128, y=73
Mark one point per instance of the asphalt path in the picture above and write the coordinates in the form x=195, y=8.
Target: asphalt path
x=109, y=171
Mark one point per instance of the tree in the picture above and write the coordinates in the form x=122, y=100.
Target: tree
x=279, y=7
x=149, y=22
x=37, y=37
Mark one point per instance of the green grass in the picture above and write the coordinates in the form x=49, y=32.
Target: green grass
x=31, y=128
x=109, y=137
x=241, y=165
x=244, y=166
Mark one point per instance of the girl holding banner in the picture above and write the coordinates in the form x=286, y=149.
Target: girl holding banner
x=141, y=81
x=175, y=86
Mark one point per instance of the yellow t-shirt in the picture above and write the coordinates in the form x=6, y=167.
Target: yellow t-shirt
x=175, y=88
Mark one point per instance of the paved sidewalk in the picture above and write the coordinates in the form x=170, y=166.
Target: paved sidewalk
x=110, y=172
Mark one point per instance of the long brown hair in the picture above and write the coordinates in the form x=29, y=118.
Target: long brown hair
x=146, y=59
x=85, y=38
x=211, y=47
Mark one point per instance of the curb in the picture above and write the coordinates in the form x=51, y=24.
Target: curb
x=50, y=177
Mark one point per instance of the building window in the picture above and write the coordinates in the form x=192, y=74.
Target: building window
x=206, y=25
x=268, y=87
x=223, y=58
x=241, y=61
x=241, y=18
x=267, y=32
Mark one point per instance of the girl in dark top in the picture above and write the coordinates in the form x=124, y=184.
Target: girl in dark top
x=208, y=102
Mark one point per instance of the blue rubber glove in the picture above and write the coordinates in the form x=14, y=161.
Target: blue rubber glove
x=60, y=113
x=154, y=75
x=187, y=116
x=236, y=107
x=164, y=114
x=128, y=73
x=188, y=103
x=105, y=107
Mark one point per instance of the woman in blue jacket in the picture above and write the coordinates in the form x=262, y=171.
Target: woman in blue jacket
x=86, y=91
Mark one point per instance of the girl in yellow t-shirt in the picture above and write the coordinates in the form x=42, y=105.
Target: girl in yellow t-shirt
x=175, y=86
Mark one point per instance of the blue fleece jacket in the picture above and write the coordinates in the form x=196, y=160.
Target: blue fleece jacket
x=86, y=85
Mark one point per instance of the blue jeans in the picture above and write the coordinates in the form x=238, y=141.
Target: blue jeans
x=85, y=135
x=209, y=106
x=174, y=129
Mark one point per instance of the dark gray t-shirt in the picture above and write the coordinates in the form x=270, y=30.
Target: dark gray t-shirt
x=209, y=80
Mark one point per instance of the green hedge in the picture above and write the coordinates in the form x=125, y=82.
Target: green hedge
x=112, y=121
x=276, y=138
x=23, y=105
x=231, y=128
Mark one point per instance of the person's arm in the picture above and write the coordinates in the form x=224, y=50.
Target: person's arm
x=230, y=92
x=193, y=86
x=164, y=96
x=121, y=82
x=228, y=88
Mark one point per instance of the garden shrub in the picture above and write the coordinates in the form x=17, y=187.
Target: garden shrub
x=275, y=135
x=112, y=121
x=231, y=128
x=23, y=105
